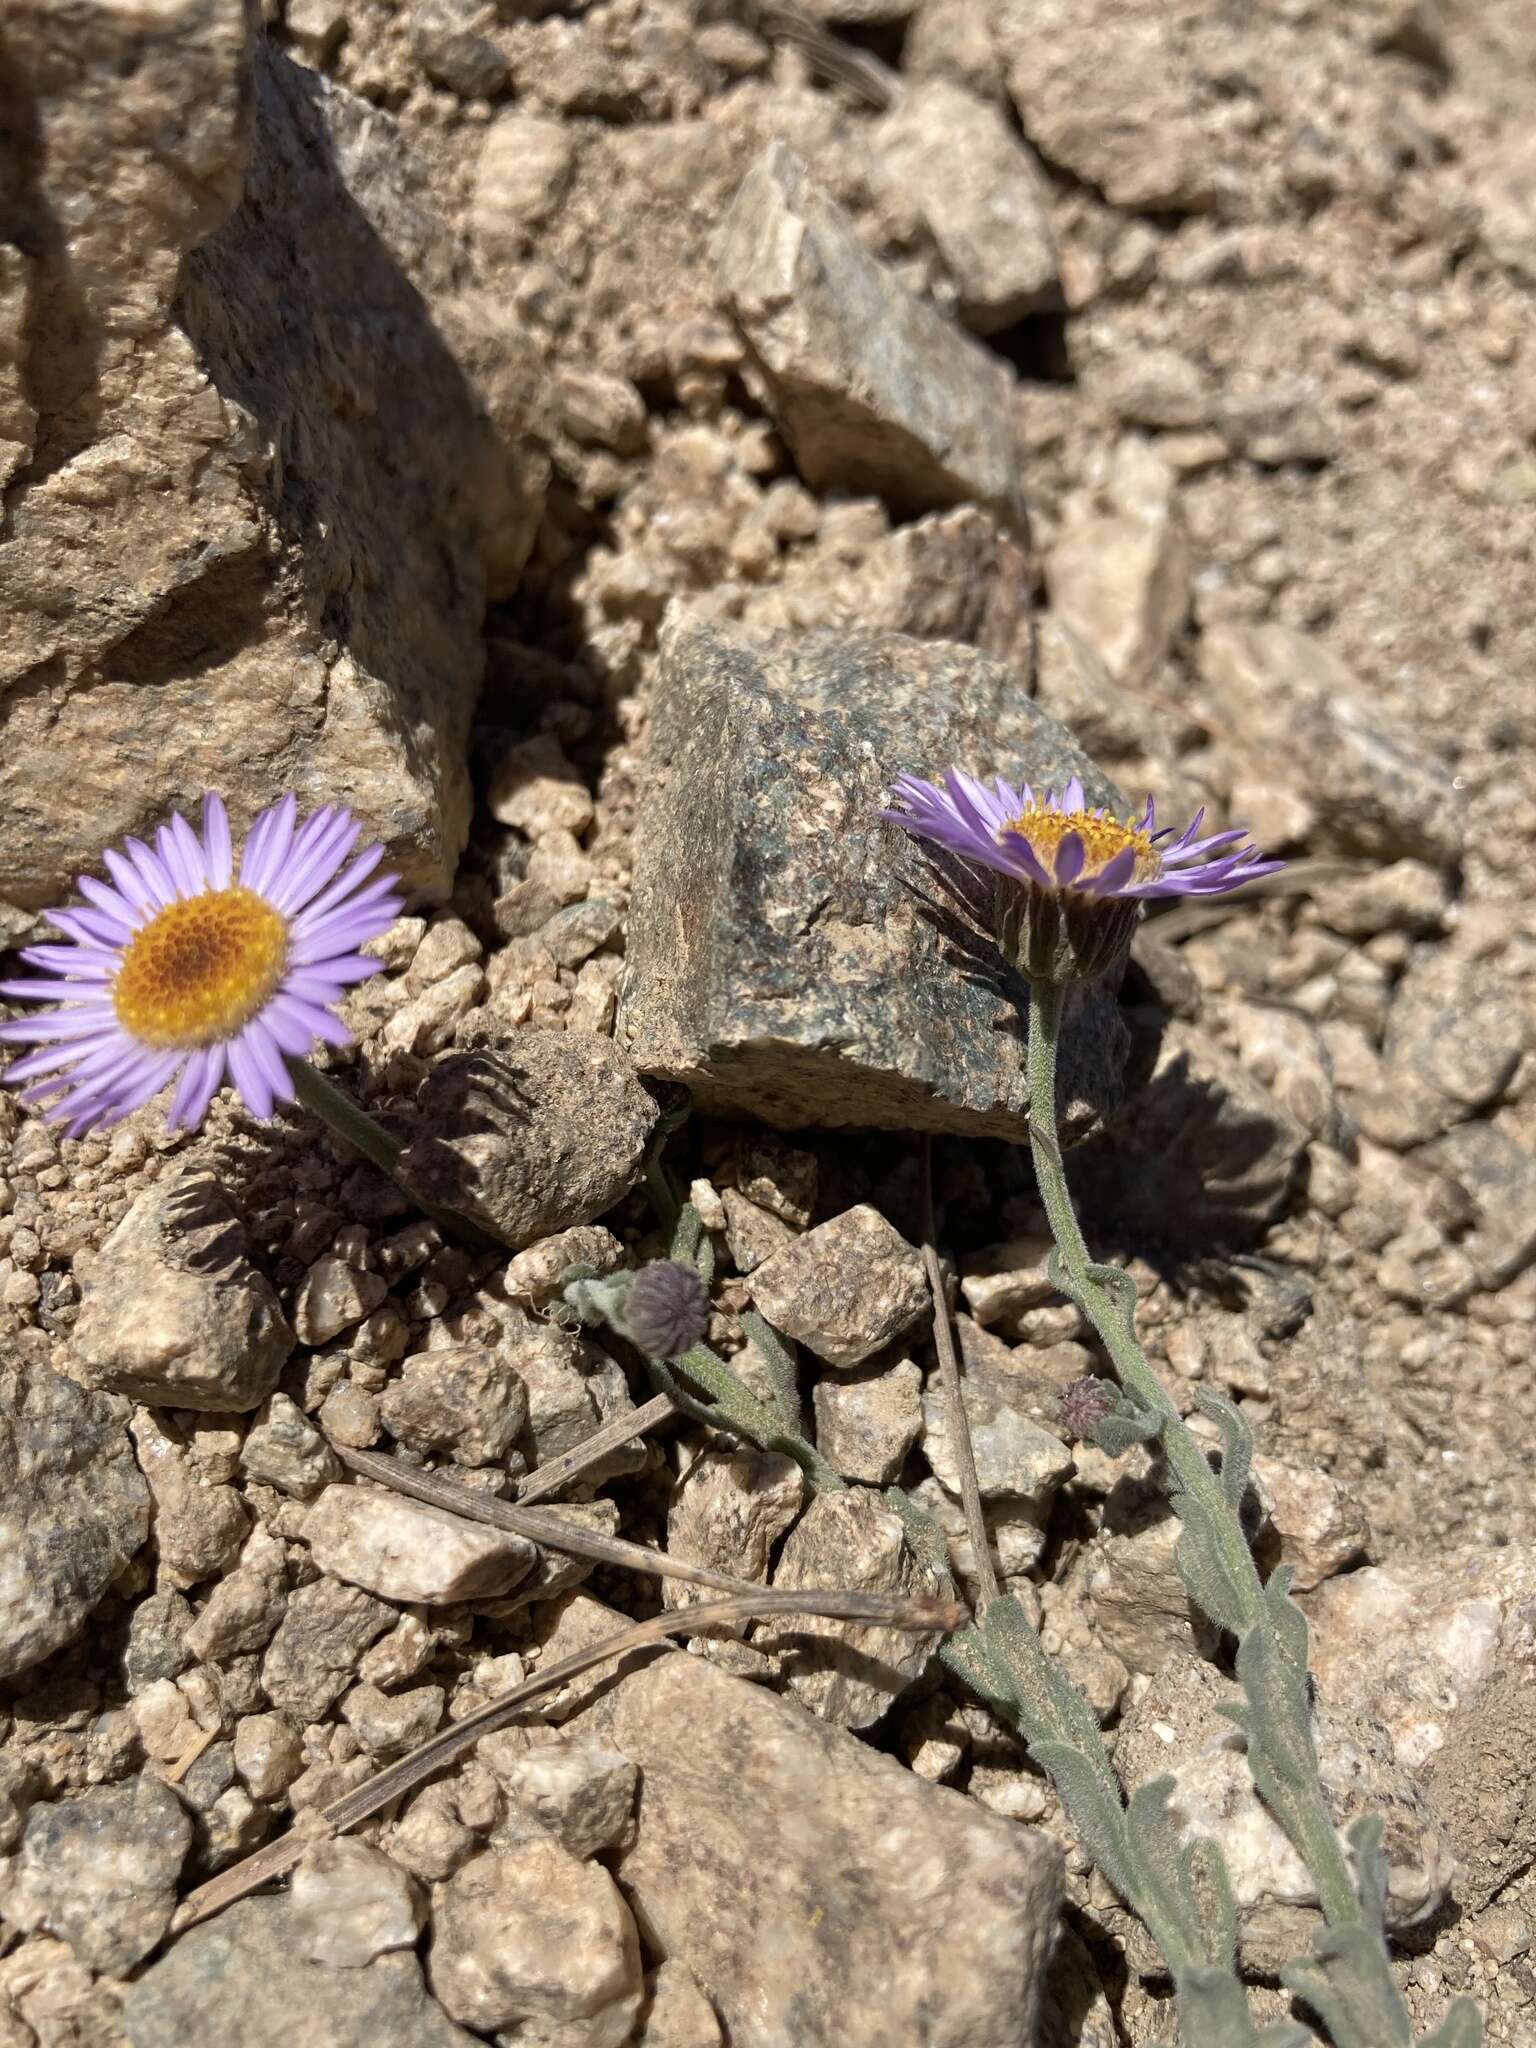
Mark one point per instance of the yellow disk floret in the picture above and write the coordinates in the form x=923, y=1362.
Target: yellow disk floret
x=199, y=970
x=1043, y=830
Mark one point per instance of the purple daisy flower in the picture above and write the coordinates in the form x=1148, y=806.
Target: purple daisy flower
x=180, y=970
x=1071, y=879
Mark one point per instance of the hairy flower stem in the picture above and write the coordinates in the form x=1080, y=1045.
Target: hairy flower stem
x=355, y=1127
x=1198, y=1489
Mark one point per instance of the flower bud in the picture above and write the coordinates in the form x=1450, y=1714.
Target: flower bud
x=667, y=1310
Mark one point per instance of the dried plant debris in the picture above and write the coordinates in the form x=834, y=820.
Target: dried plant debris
x=602, y=449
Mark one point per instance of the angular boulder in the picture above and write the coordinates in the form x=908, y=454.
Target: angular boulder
x=792, y=958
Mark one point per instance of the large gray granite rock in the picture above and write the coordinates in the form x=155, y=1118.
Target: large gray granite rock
x=73, y=1509
x=820, y=1893
x=792, y=958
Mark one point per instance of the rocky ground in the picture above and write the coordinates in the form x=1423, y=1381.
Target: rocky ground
x=604, y=445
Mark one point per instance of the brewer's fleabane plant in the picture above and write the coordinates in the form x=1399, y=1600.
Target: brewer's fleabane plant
x=1068, y=886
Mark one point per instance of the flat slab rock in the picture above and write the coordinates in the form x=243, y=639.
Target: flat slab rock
x=818, y=1892
x=782, y=961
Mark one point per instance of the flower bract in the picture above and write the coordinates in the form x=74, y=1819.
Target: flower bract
x=183, y=968
x=1071, y=879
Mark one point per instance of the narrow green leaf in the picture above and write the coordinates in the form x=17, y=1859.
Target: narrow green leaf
x=1364, y=1839
x=1349, y=1984
x=1462, y=2027
x=1236, y=1444
x=1123, y=1428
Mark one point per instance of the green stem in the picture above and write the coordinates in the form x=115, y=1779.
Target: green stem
x=1316, y=1839
x=322, y=1098
x=732, y=1405
x=326, y=1101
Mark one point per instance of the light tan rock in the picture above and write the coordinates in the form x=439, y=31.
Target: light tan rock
x=239, y=417
x=405, y=1551
x=349, y=1904
x=728, y=1510
x=819, y=1892
x=872, y=389
x=1122, y=580
x=581, y=1792
x=848, y=1672
x=845, y=1289
x=865, y=1427
x=466, y=1401
x=539, y=1945
x=953, y=157
x=1323, y=1529
x=1175, y=1729
x=173, y=1312
x=677, y=2014
x=1015, y=1458
x=101, y=1870
x=1289, y=700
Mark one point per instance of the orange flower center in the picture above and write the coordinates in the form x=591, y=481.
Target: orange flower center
x=197, y=971
x=1102, y=836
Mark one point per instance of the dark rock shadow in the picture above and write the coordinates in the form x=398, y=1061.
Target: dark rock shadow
x=203, y=1229
x=468, y=1095
x=1185, y=1164
x=368, y=442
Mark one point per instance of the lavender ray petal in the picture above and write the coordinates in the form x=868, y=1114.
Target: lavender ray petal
x=203, y=1086
x=87, y=925
x=302, y=883
x=290, y=1035
x=349, y=879
x=110, y=905
x=188, y=1081
x=174, y=863
x=1019, y=858
x=1178, y=855
x=73, y=959
x=131, y=885
x=1115, y=873
x=264, y=1049
x=190, y=848
x=51, y=1058
x=249, y=1079
x=218, y=848
x=151, y=871
x=1190, y=830
x=347, y=931
x=317, y=1022
x=334, y=973
x=81, y=1021
x=262, y=862
x=1070, y=856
